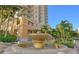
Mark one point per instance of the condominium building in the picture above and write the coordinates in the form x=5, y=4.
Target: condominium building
x=40, y=15
x=37, y=14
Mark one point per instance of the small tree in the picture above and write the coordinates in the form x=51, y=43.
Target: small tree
x=7, y=11
x=63, y=33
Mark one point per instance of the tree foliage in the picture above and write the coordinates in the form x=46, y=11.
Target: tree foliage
x=64, y=33
x=7, y=11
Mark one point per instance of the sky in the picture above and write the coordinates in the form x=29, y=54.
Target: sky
x=56, y=13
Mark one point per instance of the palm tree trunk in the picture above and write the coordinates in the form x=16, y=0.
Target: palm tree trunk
x=7, y=23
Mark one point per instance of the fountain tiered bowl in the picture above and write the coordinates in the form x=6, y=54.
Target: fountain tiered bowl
x=38, y=39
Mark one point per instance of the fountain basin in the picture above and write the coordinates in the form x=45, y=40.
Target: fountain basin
x=38, y=39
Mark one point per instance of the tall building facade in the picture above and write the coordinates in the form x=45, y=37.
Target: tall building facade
x=37, y=14
x=78, y=30
x=40, y=15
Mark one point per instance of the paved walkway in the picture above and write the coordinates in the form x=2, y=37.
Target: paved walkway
x=30, y=50
x=14, y=49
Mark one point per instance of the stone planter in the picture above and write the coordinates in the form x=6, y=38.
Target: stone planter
x=38, y=43
x=38, y=39
x=57, y=45
x=22, y=45
x=23, y=42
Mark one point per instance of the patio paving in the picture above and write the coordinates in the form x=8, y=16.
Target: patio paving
x=14, y=49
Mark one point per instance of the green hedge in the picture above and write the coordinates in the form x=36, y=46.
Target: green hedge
x=70, y=44
x=8, y=38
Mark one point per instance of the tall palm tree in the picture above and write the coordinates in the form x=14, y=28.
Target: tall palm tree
x=44, y=29
x=7, y=11
x=65, y=31
x=65, y=28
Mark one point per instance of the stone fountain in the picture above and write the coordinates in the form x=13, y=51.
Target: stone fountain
x=38, y=39
x=23, y=31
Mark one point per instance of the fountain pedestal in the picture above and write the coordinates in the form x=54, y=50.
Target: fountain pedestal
x=38, y=43
x=23, y=31
x=38, y=39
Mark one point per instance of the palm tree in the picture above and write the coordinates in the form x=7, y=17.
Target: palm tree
x=63, y=32
x=7, y=11
x=44, y=29
x=55, y=33
x=65, y=28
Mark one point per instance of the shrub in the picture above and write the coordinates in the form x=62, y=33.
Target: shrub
x=70, y=43
x=8, y=38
